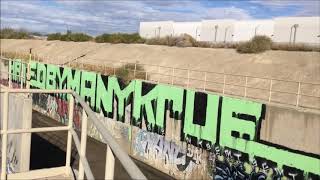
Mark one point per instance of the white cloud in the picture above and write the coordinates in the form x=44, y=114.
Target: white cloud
x=107, y=16
x=231, y=12
x=306, y=7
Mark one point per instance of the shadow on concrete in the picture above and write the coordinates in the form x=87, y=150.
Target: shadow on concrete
x=48, y=150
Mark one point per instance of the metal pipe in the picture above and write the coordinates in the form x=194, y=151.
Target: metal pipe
x=245, y=87
x=36, y=130
x=298, y=95
x=255, y=30
x=290, y=34
x=10, y=77
x=83, y=159
x=225, y=34
x=172, y=79
x=4, y=135
x=83, y=143
x=110, y=161
x=270, y=90
x=132, y=169
x=212, y=72
x=295, y=32
x=216, y=32
x=69, y=140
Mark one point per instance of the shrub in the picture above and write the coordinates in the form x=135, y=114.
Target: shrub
x=257, y=44
x=54, y=36
x=119, y=38
x=9, y=33
x=183, y=40
x=69, y=36
x=125, y=72
x=206, y=44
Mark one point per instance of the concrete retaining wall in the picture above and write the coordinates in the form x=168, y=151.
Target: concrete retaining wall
x=191, y=28
x=156, y=29
x=245, y=30
x=217, y=30
x=189, y=134
x=307, y=30
x=279, y=29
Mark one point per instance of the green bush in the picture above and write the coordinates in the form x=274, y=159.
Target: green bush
x=119, y=38
x=9, y=33
x=257, y=44
x=54, y=36
x=69, y=36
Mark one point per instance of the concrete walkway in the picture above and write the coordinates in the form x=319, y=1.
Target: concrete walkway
x=48, y=150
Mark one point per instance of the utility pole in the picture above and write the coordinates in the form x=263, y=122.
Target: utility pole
x=225, y=34
x=215, y=34
x=295, y=32
x=255, y=30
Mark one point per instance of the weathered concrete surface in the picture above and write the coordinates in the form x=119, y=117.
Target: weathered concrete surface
x=291, y=128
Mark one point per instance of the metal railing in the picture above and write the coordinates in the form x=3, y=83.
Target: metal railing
x=282, y=91
x=249, y=86
x=113, y=149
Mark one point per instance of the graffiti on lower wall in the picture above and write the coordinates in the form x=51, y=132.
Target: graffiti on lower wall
x=154, y=147
x=57, y=108
x=207, y=121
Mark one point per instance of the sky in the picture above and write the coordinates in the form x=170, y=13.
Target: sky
x=101, y=16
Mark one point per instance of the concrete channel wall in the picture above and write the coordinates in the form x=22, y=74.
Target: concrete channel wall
x=185, y=133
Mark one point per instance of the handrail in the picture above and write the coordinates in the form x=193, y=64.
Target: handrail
x=132, y=169
x=207, y=83
x=185, y=69
x=125, y=160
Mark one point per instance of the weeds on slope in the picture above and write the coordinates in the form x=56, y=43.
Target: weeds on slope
x=125, y=72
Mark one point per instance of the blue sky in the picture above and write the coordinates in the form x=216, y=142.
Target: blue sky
x=98, y=16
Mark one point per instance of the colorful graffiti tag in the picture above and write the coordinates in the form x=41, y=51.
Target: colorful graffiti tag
x=228, y=128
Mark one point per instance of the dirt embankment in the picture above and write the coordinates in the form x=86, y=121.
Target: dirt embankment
x=286, y=65
x=304, y=66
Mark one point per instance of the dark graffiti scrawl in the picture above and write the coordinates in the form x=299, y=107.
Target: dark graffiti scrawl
x=207, y=121
x=57, y=108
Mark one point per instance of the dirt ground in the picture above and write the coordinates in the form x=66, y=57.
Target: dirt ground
x=285, y=65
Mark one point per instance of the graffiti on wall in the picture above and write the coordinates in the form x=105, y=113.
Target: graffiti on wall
x=207, y=121
x=57, y=108
x=154, y=147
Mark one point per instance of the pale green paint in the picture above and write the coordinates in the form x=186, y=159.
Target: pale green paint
x=202, y=132
x=160, y=93
x=17, y=69
x=122, y=95
x=51, y=77
x=88, y=78
x=104, y=96
x=229, y=123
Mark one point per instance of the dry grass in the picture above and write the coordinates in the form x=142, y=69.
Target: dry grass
x=184, y=40
x=294, y=47
x=257, y=44
x=125, y=72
